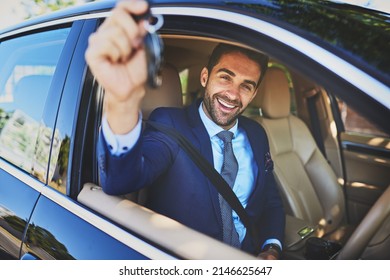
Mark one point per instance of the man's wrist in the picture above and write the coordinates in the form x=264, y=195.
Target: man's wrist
x=273, y=248
x=119, y=144
x=122, y=114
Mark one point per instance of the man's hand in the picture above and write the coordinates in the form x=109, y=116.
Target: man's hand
x=270, y=252
x=269, y=255
x=117, y=59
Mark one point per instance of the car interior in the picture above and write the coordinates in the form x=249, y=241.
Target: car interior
x=309, y=166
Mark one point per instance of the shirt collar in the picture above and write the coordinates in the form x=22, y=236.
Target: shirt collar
x=211, y=127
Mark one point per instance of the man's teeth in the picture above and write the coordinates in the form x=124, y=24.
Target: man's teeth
x=225, y=104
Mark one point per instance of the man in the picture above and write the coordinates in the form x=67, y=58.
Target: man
x=130, y=159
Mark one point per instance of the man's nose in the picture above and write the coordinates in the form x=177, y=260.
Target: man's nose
x=233, y=92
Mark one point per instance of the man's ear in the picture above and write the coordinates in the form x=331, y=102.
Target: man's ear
x=204, y=76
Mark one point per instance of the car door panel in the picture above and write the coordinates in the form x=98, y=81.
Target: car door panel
x=54, y=232
x=370, y=155
x=177, y=240
x=17, y=200
x=367, y=166
x=25, y=143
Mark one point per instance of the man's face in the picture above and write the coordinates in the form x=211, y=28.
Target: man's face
x=229, y=88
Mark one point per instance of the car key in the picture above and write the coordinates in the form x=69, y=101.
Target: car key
x=154, y=47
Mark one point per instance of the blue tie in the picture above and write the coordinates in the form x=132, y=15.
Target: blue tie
x=229, y=173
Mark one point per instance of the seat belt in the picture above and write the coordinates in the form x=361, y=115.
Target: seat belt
x=215, y=178
x=312, y=97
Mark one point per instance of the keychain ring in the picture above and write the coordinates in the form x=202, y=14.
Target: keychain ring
x=156, y=25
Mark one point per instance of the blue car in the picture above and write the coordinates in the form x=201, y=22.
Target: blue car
x=329, y=66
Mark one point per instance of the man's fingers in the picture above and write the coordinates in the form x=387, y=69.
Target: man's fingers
x=122, y=30
x=137, y=7
x=115, y=53
x=120, y=42
x=102, y=49
x=138, y=62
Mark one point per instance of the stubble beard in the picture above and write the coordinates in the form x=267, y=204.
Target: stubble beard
x=221, y=118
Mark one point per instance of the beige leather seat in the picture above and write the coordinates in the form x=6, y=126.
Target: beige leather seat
x=308, y=185
x=169, y=94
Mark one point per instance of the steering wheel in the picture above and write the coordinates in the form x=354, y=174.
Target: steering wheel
x=375, y=223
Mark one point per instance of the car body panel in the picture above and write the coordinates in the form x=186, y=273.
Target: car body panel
x=17, y=201
x=70, y=236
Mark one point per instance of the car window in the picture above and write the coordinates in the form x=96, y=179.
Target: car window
x=356, y=123
x=27, y=67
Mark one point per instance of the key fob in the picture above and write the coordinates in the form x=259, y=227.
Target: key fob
x=154, y=56
x=154, y=48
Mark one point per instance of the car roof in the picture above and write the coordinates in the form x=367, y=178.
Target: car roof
x=356, y=34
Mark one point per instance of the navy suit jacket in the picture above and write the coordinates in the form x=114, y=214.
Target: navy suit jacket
x=178, y=189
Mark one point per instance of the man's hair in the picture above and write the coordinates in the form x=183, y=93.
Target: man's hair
x=221, y=49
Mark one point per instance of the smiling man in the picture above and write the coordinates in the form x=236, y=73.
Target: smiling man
x=231, y=80
x=131, y=159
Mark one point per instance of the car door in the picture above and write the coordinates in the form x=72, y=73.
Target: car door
x=29, y=63
x=59, y=227
x=191, y=24
x=366, y=156
x=35, y=221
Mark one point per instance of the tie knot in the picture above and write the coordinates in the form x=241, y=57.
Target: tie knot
x=226, y=136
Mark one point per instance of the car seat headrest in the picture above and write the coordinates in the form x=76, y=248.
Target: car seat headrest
x=274, y=95
x=169, y=94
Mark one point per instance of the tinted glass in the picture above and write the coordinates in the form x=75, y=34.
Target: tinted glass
x=27, y=66
x=356, y=123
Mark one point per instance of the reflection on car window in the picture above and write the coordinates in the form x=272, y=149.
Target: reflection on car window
x=355, y=123
x=27, y=67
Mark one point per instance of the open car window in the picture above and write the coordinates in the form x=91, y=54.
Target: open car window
x=187, y=52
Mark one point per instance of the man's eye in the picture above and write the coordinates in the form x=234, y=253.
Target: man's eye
x=247, y=87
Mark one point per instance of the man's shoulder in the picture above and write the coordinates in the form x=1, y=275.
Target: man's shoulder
x=168, y=115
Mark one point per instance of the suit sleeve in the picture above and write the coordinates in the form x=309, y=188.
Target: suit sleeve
x=267, y=207
x=120, y=144
x=272, y=220
x=151, y=155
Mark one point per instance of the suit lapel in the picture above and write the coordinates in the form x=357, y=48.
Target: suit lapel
x=200, y=134
x=202, y=140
